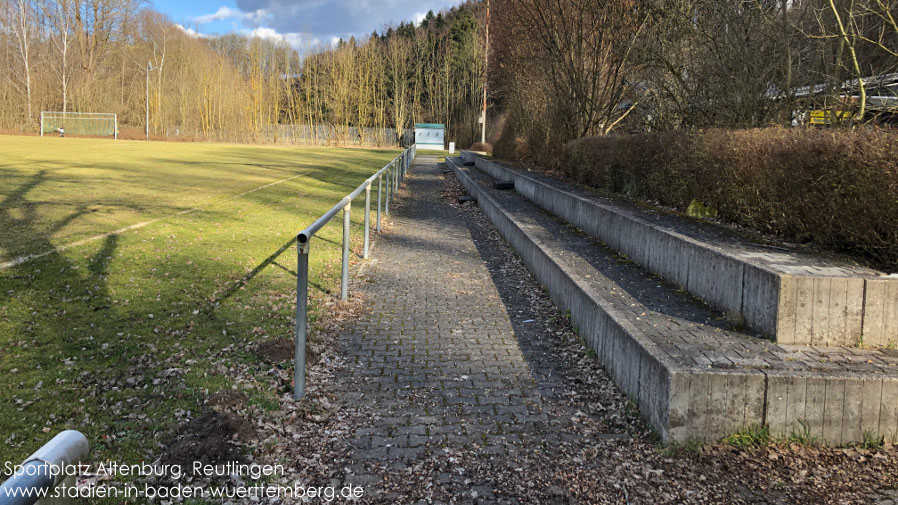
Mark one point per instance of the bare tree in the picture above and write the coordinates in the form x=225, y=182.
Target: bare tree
x=398, y=52
x=60, y=15
x=22, y=29
x=884, y=33
x=848, y=38
x=584, y=52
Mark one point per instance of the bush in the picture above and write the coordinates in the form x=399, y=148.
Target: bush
x=835, y=188
x=482, y=148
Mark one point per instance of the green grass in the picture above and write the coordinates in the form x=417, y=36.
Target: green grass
x=679, y=449
x=89, y=336
x=871, y=440
x=435, y=152
x=801, y=435
x=750, y=436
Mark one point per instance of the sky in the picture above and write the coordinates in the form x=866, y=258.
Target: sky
x=302, y=23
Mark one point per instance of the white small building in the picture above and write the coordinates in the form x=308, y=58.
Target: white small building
x=430, y=136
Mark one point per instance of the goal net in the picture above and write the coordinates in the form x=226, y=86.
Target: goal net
x=101, y=124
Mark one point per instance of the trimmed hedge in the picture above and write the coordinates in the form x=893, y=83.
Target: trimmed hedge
x=834, y=188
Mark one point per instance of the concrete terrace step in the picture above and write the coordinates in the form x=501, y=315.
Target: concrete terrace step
x=693, y=375
x=793, y=297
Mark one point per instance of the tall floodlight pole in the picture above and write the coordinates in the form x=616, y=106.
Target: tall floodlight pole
x=486, y=65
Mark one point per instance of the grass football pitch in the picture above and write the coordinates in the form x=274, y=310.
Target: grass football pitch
x=121, y=293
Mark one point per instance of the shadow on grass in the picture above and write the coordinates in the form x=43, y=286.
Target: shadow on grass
x=96, y=354
x=36, y=344
x=220, y=297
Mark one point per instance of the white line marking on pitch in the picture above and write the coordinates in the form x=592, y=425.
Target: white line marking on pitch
x=30, y=257
x=268, y=185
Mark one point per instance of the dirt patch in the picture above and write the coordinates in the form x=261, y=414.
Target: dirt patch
x=279, y=350
x=213, y=437
x=227, y=401
x=276, y=350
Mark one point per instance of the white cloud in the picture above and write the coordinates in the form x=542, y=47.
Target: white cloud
x=419, y=17
x=266, y=33
x=307, y=24
x=191, y=32
x=294, y=39
x=223, y=13
x=326, y=19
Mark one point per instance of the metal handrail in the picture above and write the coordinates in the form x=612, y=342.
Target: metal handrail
x=395, y=172
x=44, y=470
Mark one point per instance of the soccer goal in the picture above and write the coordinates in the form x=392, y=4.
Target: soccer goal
x=80, y=123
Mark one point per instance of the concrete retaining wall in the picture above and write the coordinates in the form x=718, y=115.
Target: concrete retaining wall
x=793, y=309
x=685, y=403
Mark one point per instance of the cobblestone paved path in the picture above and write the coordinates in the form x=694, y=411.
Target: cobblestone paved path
x=437, y=357
x=441, y=367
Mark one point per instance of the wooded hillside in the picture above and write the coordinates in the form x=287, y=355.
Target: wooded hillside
x=559, y=70
x=91, y=56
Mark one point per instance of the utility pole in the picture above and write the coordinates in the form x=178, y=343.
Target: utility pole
x=149, y=68
x=486, y=66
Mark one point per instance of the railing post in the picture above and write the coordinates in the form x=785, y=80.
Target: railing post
x=302, y=320
x=344, y=282
x=367, y=218
x=380, y=185
x=388, y=193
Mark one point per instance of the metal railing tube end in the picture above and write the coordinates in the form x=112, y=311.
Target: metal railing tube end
x=66, y=448
x=45, y=469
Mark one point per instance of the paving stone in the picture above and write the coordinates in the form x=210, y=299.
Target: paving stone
x=437, y=359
